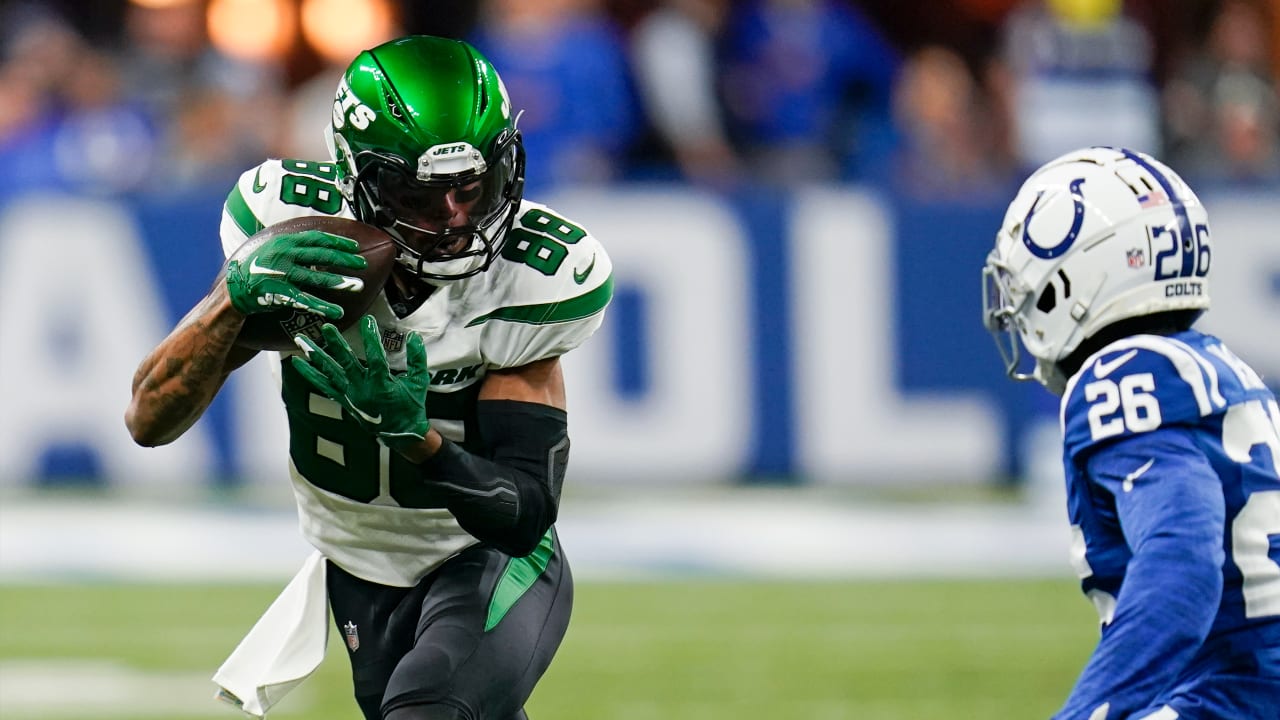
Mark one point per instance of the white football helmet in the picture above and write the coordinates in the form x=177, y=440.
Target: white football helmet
x=1093, y=237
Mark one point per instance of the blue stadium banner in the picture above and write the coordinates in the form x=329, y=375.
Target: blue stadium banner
x=829, y=335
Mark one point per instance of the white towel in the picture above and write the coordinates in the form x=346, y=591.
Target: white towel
x=284, y=647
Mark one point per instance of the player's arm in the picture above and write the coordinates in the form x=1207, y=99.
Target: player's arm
x=178, y=380
x=1169, y=502
x=175, y=383
x=507, y=494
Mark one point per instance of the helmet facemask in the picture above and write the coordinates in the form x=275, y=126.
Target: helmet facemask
x=1041, y=321
x=1021, y=307
x=1001, y=303
x=448, y=215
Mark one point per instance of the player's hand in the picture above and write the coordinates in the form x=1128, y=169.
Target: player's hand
x=392, y=406
x=274, y=275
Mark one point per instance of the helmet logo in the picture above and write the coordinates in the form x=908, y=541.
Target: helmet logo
x=450, y=159
x=348, y=108
x=1077, y=220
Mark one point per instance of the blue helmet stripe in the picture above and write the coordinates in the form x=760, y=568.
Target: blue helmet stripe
x=1186, y=236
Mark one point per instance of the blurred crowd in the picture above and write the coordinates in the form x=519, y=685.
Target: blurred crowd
x=939, y=99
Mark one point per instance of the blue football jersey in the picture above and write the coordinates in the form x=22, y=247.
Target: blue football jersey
x=1170, y=449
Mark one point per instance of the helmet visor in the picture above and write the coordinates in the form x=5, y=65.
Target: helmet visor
x=456, y=204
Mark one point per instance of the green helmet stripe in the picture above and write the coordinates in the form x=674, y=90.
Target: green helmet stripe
x=388, y=105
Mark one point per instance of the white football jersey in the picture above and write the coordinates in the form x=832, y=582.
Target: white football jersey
x=363, y=505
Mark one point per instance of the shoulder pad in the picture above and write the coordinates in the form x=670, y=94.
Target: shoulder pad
x=551, y=270
x=547, y=294
x=279, y=190
x=1136, y=385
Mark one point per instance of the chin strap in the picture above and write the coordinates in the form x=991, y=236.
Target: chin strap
x=1051, y=376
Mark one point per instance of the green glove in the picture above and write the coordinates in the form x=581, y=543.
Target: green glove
x=273, y=275
x=392, y=406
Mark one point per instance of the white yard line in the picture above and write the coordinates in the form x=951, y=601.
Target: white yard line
x=101, y=689
x=773, y=536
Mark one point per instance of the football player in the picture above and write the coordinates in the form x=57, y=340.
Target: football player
x=431, y=494
x=1170, y=441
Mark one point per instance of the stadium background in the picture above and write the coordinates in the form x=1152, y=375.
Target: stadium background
x=801, y=485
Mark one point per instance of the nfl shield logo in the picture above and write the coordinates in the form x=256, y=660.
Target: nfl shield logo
x=392, y=340
x=303, y=323
x=1136, y=257
x=353, y=636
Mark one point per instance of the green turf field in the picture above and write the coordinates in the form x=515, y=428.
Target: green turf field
x=698, y=650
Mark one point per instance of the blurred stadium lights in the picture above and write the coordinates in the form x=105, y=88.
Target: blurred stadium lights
x=252, y=29
x=258, y=30
x=340, y=29
x=159, y=4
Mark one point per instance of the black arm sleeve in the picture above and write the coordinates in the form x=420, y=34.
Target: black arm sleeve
x=508, y=494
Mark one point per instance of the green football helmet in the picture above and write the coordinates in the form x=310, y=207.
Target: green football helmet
x=427, y=149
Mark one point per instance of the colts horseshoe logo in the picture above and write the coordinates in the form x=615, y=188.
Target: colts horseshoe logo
x=1048, y=253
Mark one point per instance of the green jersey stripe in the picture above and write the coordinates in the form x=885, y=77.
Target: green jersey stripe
x=585, y=305
x=241, y=214
x=520, y=575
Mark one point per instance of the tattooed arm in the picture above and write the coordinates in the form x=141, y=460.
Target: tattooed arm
x=179, y=378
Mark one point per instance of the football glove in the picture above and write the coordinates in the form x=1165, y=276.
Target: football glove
x=392, y=406
x=273, y=275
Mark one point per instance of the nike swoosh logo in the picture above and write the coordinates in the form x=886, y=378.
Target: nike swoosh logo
x=371, y=419
x=1128, y=479
x=258, y=185
x=256, y=269
x=349, y=283
x=581, y=277
x=1103, y=369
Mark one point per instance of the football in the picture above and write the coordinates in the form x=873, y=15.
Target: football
x=275, y=330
